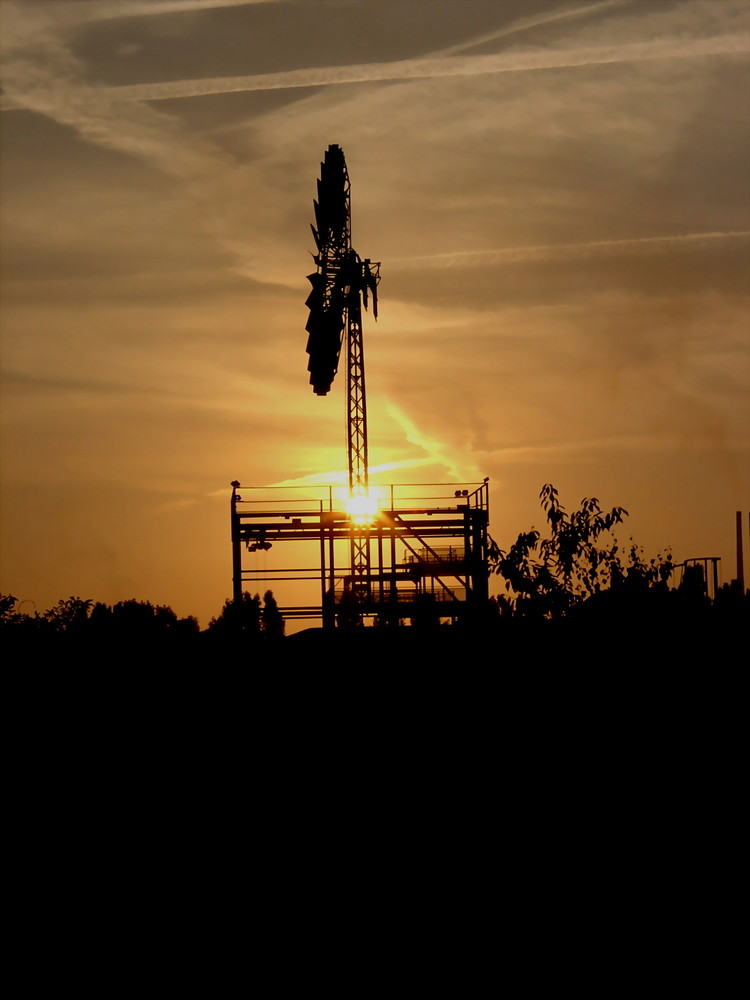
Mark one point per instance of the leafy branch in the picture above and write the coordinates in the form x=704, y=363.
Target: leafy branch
x=547, y=576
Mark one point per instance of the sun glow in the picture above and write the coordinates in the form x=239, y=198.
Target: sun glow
x=362, y=508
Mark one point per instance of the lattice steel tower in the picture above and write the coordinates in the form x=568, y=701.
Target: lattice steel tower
x=341, y=285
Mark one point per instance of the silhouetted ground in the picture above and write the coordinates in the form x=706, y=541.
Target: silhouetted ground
x=519, y=688
x=538, y=770
x=547, y=765
x=593, y=637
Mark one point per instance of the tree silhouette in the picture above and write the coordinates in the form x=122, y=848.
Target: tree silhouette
x=70, y=614
x=141, y=619
x=82, y=623
x=581, y=558
x=272, y=621
x=238, y=619
x=9, y=615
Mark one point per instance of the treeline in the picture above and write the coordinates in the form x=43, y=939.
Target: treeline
x=75, y=620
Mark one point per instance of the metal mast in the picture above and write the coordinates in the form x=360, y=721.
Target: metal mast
x=340, y=287
x=357, y=402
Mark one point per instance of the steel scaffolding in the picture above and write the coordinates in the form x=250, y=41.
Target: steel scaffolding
x=426, y=551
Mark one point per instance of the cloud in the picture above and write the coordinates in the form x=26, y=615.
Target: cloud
x=42, y=75
x=417, y=69
x=340, y=477
x=52, y=82
x=21, y=18
x=438, y=453
x=148, y=8
x=528, y=23
x=473, y=258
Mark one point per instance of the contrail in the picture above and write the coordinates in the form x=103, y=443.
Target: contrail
x=116, y=9
x=340, y=477
x=472, y=257
x=529, y=22
x=415, y=69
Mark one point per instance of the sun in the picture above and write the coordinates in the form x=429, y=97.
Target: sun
x=362, y=508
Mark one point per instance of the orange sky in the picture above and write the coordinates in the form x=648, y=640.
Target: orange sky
x=558, y=194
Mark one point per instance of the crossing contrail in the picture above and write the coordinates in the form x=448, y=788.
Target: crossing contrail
x=527, y=23
x=416, y=69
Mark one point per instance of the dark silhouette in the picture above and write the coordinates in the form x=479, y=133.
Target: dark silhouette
x=342, y=281
x=341, y=285
x=238, y=617
x=271, y=619
x=548, y=577
x=575, y=592
x=74, y=623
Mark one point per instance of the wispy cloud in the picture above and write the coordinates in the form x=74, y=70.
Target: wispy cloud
x=471, y=258
x=340, y=477
x=438, y=453
x=146, y=8
x=528, y=23
x=416, y=69
x=37, y=34
x=654, y=442
x=76, y=12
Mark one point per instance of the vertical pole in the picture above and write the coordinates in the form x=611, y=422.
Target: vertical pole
x=380, y=561
x=322, y=565
x=331, y=565
x=236, y=549
x=394, y=589
x=468, y=554
x=329, y=594
x=740, y=560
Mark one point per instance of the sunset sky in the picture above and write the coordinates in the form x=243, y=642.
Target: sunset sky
x=558, y=196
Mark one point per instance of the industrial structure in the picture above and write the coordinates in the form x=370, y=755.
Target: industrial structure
x=390, y=553
x=425, y=545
